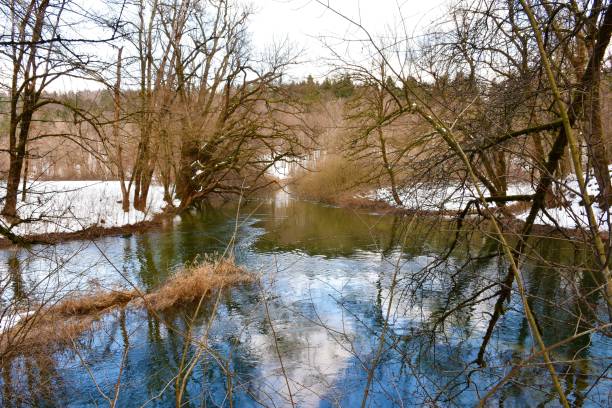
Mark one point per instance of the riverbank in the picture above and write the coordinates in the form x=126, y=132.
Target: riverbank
x=56, y=211
x=450, y=202
x=569, y=214
x=95, y=231
x=453, y=198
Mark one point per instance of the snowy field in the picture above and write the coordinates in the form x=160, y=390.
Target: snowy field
x=68, y=206
x=455, y=198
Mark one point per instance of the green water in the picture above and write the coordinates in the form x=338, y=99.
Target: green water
x=310, y=332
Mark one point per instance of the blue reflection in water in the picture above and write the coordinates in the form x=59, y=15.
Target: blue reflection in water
x=326, y=275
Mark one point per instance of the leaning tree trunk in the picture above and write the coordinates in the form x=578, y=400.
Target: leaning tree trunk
x=23, y=89
x=185, y=185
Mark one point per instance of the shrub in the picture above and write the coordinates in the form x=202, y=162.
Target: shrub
x=333, y=179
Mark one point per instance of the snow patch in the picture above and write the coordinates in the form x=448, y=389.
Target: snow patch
x=428, y=197
x=573, y=214
x=68, y=206
x=455, y=196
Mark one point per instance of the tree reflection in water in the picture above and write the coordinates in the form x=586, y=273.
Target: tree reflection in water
x=327, y=275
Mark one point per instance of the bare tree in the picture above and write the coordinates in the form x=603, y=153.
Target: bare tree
x=501, y=46
x=38, y=56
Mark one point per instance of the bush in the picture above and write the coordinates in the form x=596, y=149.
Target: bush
x=333, y=179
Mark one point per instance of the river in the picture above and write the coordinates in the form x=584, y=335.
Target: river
x=332, y=281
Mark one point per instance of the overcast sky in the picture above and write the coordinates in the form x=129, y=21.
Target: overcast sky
x=303, y=22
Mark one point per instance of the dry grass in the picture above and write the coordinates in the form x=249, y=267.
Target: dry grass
x=334, y=179
x=53, y=327
x=57, y=325
x=92, y=304
x=193, y=282
x=44, y=335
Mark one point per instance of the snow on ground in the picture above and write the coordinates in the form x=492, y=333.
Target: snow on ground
x=573, y=215
x=427, y=197
x=455, y=197
x=67, y=206
x=10, y=320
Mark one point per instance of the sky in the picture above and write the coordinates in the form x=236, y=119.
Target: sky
x=305, y=23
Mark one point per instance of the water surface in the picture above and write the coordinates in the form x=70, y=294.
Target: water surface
x=332, y=281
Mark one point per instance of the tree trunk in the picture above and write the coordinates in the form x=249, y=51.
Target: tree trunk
x=138, y=191
x=144, y=189
x=17, y=156
x=167, y=192
x=596, y=145
x=125, y=197
x=185, y=187
x=141, y=169
x=125, y=193
x=25, y=178
x=12, y=186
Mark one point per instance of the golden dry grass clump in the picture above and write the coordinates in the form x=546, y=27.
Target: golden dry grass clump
x=58, y=324
x=193, y=282
x=94, y=303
